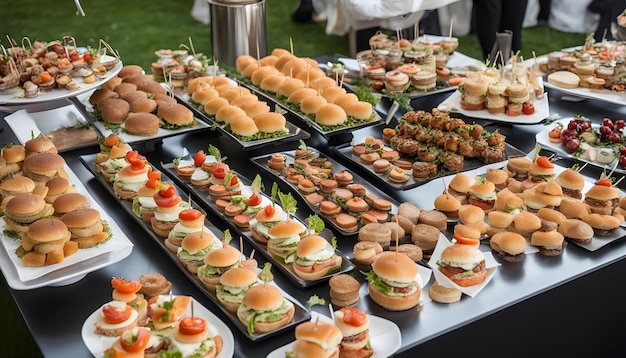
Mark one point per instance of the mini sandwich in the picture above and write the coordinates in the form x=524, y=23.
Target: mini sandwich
x=448, y=204
x=498, y=221
x=459, y=186
x=482, y=194
x=283, y=240
x=463, y=264
x=315, y=258
x=144, y=204
x=602, y=197
x=549, y=241
x=394, y=282
x=23, y=209
x=517, y=168
x=112, y=161
x=131, y=344
x=264, y=220
x=509, y=202
x=46, y=242
x=317, y=339
x=572, y=183
x=166, y=310
x=114, y=318
x=354, y=326
x=541, y=170
x=86, y=227
x=189, y=221
x=194, y=247
x=233, y=286
x=498, y=177
x=543, y=195
x=166, y=213
x=526, y=223
x=264, y=309
x=193, y=337
x=509, y=246
x=577, y=231
x=216, y=262
x=128, y=180
x=602, y=224
x=41, y=167
x=174, y=116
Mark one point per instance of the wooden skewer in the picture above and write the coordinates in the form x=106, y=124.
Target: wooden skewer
x=450, y=33
x=578, y=170
x=618, y=181
x=291, y=44
x=332, y=312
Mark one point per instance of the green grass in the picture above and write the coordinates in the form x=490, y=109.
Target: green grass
x=136, y=29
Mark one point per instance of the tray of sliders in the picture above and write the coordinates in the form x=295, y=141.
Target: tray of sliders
x=510, y=94
x=53, y=232
x=267, y=222
x=546, y=204
x=137, y=108
x=410, y=154
x=169, y=220
x=299, y=86
x=342, y=199
x=238, y=113
x=158, y=322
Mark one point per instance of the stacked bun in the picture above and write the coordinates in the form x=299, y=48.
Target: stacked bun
x=47, y=242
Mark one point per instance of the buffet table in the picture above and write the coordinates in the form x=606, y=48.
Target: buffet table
x=561, y=306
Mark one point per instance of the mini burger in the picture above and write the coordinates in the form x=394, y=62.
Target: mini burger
x=264, y=220
x=517, y=167
x=41, y=167
x=317, y=339
x=283, y=240
x=216, y=262
x=45, y=243
x=86, y=227
x=448, y=204
x=482, y=194
x=459, y=186
x=193, y=337
x=264, y=309
x=463, y=264
x=541, y=170
x=194, y=247
x=509, y=246
x=23, y=209
x=174, y=116
x=576, y=231
x=602, y=224
x=394, y=282
x=572, y=183
x=549, y=242
x=189, y=221
x=144, y=204
x=233, y=286
x=354, y=326
x=315, y=258
x=602, y=197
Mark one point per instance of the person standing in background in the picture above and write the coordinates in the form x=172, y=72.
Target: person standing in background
x=493, y=16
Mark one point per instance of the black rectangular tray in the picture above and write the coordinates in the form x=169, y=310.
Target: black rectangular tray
x=301, y=314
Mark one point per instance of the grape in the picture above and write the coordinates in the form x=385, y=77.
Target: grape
x=615, y=137
x=567, y=135
x=585, y=126
x=622, y=150
x=607, y=122
x=605, y=130
x=622, y=160
x=572, y=145
x=572, y=125
x=619, y=124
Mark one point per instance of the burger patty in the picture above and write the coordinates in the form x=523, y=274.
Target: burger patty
x=356, y=337
x=572, y=193
x=451, y=270
x=600, y=204
x=547, y=225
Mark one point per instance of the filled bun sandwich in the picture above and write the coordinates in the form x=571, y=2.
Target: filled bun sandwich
x=394, y=282
x=264, y=309
x=463, y=264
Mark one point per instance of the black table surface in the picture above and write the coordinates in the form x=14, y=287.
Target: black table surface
x=563, y=306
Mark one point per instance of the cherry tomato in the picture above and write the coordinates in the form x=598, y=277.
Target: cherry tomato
x=135, y=342
x=135, y=159
x=114, y=314
x=190, y=214
x=466, y=241
x=111, y=140
x=269, y=210
x=544, y=162
x=74, y=55
x=354, y=316
x=528, y=108
x=192, y=325
x=152, y=183
x=254, y=200
x=219, y=172
x=125, y=286
x=604, y=182
x=234, y=180
x=87, y=57
x=167, y=192
x=199, y=158
x=154, y=174
x=166, y=202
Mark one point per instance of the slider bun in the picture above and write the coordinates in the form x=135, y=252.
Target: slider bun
x=442, y=294
x=287, y=229
x=482, y=189
x=244, y=126
x=268, y=60
x=536, y=199
x=272, y=82
x=311, y=74
x=475, y=87
x=526, y=222
x=48, y=230
x=130, y=70
x=289, y=86
x=447, y=203
x=496, y=176
x=570, y=179
x=231, y=93
x=601, y=192
x=68, y=202
x=359, y=110
x=151, y=86
x=203, y=94
x=222, y=256
x=331, y=93
x=574, y=209
x=564, y=79
x=16, y=184
x=576, y=229
x=238, y=277
x=512, y=243
x=270, y=122
x=312, y=104
x=330, y=114
x=214, y=105
x=250, y=68
x=300, y=94
x=462, y=254
x=551, y=215
x=602, y=222
x=282, y=61
x=546, y=238
x=101, y=94
x=343, y=100
x=294, y=66
x=499, y=219
x=147, y=105
x=227, y=113
x=143, y=123
x=467, y=231
x=280, y=52
x=392, y=266
x=517, y=93
x=175, y=113
x=321, y=83
x=133, y=96
x=197, y=241
x=262, y=72
x=550, y=188
x=394, y=303
x=114, y=110
x=244, y=100
x=124, y=87
x=471, y=214
x=324, y=335
x=243, y=61
x=461, y=182
x=256, y=108
x=311, y=244
x=14, y=153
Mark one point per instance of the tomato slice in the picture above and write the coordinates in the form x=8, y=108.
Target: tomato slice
x=115, y=315
x=269, y=210
x=154, y=174
x=544, y=162
x=124, y=286
x=190, y=214
x=135, y=342
x=135, y=159
x=198, y=158
x=234, y=180
x=604, y=182
x=167, y=192
x=466, y=241
x=354, y=316
x=166, y=202
x=192, y=325
x=254, y=200
x=220, y=172
x=528, y=108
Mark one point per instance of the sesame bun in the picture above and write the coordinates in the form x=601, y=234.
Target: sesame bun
x=226, y=113
x=197, y=241
x=576, y=230
x=143, y=124
x=176, y=114
x=360, y=110
x=270, y=122
x=243, y=125
x=330, y=114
